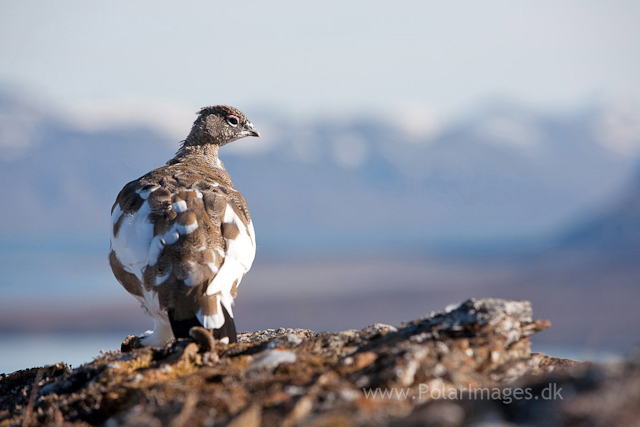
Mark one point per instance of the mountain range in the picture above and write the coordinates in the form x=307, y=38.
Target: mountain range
x=613, y=229
x=504, y=172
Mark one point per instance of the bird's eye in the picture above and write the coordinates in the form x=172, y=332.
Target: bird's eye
x=232, y=120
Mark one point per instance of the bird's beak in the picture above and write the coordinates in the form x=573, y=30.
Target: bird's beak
x=250, y=130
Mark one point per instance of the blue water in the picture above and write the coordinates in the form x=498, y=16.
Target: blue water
x=22, y=351
x=68, y=273
x=578, y=354
x=47, y=268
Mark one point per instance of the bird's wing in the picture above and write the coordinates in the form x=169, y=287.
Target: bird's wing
x=228, y=208
x=186, y=235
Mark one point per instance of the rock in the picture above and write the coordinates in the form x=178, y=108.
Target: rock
x=365, y=359
x=429, y=371
x=252, y=417
x=272, y=358
x=301, y=409
x=377, y=330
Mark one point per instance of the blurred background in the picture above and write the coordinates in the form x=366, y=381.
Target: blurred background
x=414, y=154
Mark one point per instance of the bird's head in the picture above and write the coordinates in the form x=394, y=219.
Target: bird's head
x=222, y=124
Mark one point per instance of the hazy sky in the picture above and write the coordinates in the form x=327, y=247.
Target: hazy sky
x=329, y=57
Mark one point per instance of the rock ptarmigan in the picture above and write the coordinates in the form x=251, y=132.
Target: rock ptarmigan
x=182, y=238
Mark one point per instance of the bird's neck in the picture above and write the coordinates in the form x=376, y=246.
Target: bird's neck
x=198, y=148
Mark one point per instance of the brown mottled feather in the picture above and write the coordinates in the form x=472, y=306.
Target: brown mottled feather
x=169, y=241
x=209, y=304
x=230, y=231
x=129, y=281
x=117, y=225
x=234, y=289
x=177, y=183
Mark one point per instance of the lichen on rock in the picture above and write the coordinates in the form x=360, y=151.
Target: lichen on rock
x=379, y=375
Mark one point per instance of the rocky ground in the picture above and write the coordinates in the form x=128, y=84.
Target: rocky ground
x=469, y=365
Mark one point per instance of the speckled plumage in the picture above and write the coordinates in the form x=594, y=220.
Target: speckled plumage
x=182, y=237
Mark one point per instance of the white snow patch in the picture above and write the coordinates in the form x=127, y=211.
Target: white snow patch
x=350, y=150
x=129, y=110
x=418, y=120
x=517, y=132
x=618, y=128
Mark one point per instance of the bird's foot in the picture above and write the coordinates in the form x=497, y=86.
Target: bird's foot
x=202, y=337
x=130, y=343
x=206, y=344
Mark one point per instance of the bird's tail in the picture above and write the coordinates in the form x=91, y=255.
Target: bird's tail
x=227, y=330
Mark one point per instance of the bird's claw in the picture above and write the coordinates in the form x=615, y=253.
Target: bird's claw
x=130, y=343
x=203, y=338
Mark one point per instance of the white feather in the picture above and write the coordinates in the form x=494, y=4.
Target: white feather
x=195, y=277
x=135, y=247
x=215, y=321
x=161, y=279
x=171, y=236
x=179, y=206
x=212, y=321
x=145, y=194
x=238, y=257
x=155, y=249
x=134, y=237
x=115, y=216
x=187, y=229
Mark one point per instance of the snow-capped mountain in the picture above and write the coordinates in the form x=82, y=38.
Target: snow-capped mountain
x=614, y=228
x=506, y=171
